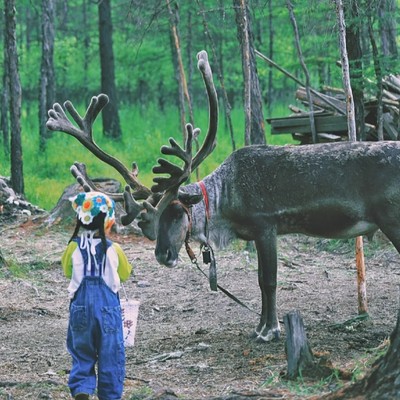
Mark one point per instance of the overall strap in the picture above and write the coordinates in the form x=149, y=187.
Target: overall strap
x=94, y=257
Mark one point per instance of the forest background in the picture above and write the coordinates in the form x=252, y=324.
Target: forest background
x=146, y=82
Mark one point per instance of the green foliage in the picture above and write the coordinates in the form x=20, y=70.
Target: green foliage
x=146, y=82
x=144, y=132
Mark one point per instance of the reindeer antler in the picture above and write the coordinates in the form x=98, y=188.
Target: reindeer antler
x=177, y=175
x=165, y=188
x=210, y=140
x=58, y=121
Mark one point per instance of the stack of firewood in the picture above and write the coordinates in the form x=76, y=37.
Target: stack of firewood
x=13, y=205
x=332, y=100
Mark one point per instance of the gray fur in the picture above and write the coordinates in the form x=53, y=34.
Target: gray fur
x=337, y=190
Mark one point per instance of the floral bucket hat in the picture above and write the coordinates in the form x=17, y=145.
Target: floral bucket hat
x=89, y=204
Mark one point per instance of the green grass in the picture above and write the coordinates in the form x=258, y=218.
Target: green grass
x=18, y=270
x=46, y=174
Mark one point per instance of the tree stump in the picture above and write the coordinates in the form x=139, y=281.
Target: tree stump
x=298, y=351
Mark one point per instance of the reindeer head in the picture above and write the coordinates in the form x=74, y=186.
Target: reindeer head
x=156, y=212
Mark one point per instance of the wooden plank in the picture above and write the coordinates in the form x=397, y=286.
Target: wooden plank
x=324, y=124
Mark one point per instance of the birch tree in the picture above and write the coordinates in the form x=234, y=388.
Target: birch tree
x=351, y=124
x=47, y=75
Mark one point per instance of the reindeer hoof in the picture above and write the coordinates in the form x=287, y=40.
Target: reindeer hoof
x=270, y=335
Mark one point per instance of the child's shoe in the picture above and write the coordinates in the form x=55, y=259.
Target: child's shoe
x=81, y=396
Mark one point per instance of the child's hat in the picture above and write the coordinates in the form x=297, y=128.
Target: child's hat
x=89, y=204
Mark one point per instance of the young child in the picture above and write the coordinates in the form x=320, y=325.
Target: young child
x=96, y=267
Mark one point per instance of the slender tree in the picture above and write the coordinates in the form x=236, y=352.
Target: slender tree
x=173, y=12
x=305, y=69
x=354, y=51
x=378, y=72
x=270, y=53
x=255, y=127
x=218, y=69
x=47, y=75
x=5, y=100
x=17, y=176
x=352, y=134
x=388, y=31
x=110, y=116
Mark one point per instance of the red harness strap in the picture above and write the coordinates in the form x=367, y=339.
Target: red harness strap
x=205, y=197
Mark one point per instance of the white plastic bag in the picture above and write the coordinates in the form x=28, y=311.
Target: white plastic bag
x=130, y=312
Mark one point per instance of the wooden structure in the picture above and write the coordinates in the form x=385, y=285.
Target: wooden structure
x=329, y=127
x=330, y=117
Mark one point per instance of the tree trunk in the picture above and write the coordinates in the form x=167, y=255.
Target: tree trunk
x=379, y=78
x=5, y=101
x=270, y=54
x=111, y=124
x=388, y=30
x=86, y=47
x=307, y=75
x=351, y=122
x=180, y=71
x=255, y=127
x=47, y=75
x=17, y=176
x=353, y=45
x=346, y=72
x=218, y=69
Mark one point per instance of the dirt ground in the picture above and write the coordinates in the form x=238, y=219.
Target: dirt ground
x=193, y=343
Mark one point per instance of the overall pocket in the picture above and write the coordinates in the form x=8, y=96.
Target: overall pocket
x=112, y=321
x=78, y=318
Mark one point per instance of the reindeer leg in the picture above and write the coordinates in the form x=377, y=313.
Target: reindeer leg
x=268, y=329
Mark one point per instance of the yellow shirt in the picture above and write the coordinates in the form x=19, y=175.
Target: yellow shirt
x=117, y=268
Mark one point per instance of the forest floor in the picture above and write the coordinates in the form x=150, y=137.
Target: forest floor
x=193, y=343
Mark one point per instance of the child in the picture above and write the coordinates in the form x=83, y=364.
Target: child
x=96, y=267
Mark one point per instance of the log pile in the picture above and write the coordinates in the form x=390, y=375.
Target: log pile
x=329, y=105
x=14, y=206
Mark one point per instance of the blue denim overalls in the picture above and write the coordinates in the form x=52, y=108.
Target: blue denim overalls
x=95, y=332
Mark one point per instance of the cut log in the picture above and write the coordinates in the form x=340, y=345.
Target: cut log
x=305, y=138
x=392, y=82
x=13, y=205
x=317, y=101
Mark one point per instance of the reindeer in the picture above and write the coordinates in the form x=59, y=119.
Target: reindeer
x=336, y=190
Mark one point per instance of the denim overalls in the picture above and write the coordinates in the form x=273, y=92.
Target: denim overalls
x=95, y=332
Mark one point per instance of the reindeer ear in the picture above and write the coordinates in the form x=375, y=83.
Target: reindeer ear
x=189, y=199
